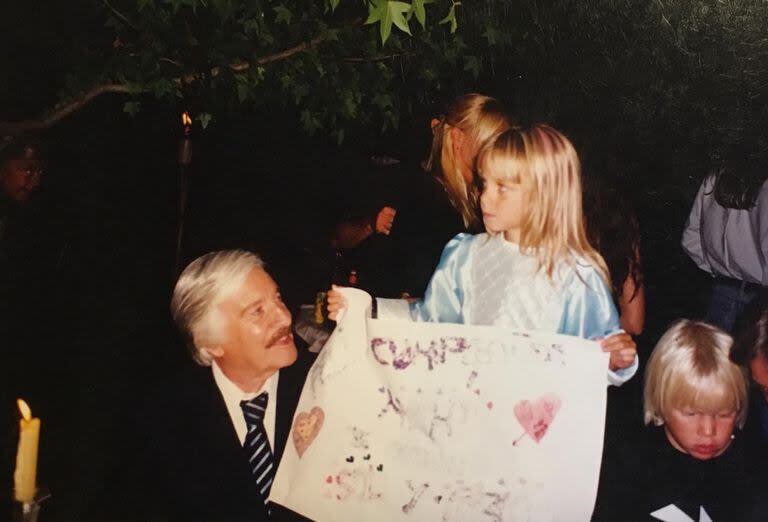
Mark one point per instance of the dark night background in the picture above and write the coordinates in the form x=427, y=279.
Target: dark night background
x=93, y=327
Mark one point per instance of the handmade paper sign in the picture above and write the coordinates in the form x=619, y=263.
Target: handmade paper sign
x=422, y=421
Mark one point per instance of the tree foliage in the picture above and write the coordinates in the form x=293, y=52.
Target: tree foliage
x=689, y=72
x=337, y=63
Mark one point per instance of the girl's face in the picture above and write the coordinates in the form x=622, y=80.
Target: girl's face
x=503, y=206
x=702, y=435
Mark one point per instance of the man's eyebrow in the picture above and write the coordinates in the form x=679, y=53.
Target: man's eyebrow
x=252, y=305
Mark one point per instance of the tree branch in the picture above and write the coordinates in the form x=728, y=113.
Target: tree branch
x=120, y=15
x=27, y=126
x=67, y=108
x=355, y=59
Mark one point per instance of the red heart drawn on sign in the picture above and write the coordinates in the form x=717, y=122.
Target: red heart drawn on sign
x=306, y=426
x=536, y=416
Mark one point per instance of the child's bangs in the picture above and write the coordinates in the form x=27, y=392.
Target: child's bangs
x=712, y=394
x=503, y=167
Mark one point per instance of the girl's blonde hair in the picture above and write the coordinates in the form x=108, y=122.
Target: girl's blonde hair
x=545, y=162
x=480, y=118
x=690, y=368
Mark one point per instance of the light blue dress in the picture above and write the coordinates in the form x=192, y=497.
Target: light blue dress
x=486, y=280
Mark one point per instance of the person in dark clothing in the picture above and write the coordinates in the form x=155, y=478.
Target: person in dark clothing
x=613, y=229
x=423, y=206
x=751, y=352
x=415, y=223
x=692, y=461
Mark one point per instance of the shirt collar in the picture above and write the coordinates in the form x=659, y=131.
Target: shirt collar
x=233, y=394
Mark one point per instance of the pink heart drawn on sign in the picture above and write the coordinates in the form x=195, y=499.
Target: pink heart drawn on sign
x=536, y=417
x=306, y=426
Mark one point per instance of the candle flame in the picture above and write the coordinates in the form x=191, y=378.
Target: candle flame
x=185, y=119
x=24, y=409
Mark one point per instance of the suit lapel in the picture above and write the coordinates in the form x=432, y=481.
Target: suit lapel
x=289, y=387
x=225, y=447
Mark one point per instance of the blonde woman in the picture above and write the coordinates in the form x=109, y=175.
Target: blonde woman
x=690, y=460
x=469, y=123
x=413, y=210
x=533, y=268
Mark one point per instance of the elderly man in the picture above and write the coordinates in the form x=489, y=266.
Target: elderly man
x=217, y=433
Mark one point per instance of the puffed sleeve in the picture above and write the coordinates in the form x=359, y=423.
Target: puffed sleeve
x=691, y=241
x=761, y=207
x=443, y=299
x=590, y=313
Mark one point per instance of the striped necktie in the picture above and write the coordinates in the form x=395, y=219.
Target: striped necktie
x=256, y=444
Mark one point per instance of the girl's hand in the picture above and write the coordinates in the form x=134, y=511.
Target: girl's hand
x=622, y=348
x=336, y=302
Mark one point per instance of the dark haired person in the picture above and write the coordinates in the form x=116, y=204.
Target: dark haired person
x=613, y=229
x=751, y=352
x=727, y=235
x=23, y=230
x=21, y=169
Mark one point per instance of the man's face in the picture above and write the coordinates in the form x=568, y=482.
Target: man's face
x=257, y=331
x=758, y=367
x=20, y=178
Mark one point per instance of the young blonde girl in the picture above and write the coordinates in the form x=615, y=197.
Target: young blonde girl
x=534, y=268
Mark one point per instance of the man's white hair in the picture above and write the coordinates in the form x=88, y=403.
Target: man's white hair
x=202, y=286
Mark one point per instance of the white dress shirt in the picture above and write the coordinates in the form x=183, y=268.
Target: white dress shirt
x=727, y=241
x=233, y=395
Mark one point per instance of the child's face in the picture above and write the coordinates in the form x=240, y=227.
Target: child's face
x=503, y=205
x=702, y=435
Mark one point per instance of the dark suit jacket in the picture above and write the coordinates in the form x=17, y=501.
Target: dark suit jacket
x=193, y=466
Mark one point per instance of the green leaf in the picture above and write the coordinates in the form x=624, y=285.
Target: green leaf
x=242, y=92
x=284, y=15
x=388, y=12
x=383, y=101
x=472, y=64
x=132, y=107
x=376, y=11
x=334, y=4
x=204, y=118
x=141, y=4
x=164, y=87
x=492, y=35
x=397, y=11
x=418, y=9
x=450, y=18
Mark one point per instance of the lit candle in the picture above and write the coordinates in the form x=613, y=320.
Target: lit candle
x=26, y=457
x=185, y=148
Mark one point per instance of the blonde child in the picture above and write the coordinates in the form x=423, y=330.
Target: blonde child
x=692, y=457
x=534, y=267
